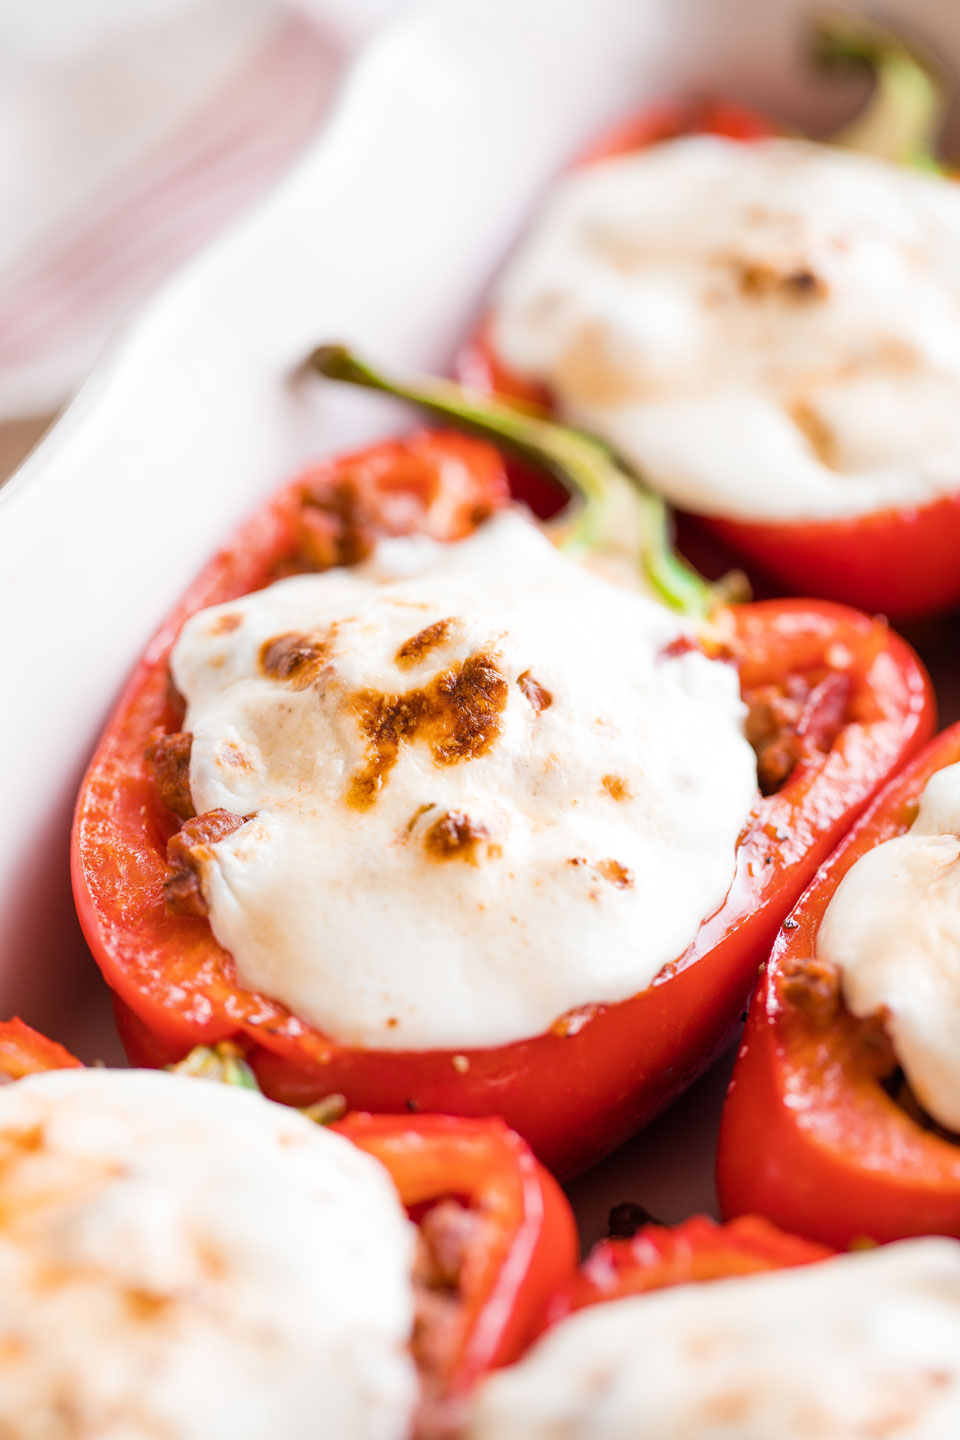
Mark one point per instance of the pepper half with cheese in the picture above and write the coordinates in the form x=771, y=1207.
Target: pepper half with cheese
x=766, y=328
x=848, y=1067
x=189, y=1259
x=435, y=814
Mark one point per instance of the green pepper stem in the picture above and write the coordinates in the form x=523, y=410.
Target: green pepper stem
x=224, y=1063
x=584, y=467
x=903, y=117
x=326, y=1111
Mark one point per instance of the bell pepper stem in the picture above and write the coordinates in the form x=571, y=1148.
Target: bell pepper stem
x=585, y=468
x=903, y=117
x=224, y=1062
x=326, y=1111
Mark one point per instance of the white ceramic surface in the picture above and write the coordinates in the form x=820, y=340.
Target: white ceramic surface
x=386, y=234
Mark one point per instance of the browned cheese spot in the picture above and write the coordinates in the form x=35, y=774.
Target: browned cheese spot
x=212, y=1260
x=412, y=651
x=795, y=282
x=232, y=755
x=385, y=721
x=225, y=623
x=457, y=714
x=616, y=787
x=815, y=430
x=590, y=368
x=293, y=658
x=616, y=873
x=538, y=696
x=145, y=1305
x=14, y=1144
x=454, y=837
x=468, y=700
x=727, y=1407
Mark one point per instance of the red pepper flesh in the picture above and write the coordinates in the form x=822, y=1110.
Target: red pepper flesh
x=24, y=1051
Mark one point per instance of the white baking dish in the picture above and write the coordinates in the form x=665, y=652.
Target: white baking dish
x=386, y=234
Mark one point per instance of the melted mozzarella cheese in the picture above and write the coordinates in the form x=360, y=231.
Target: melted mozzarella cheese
x=767, y=331
x=186, y=1260
x=865, y=1344
x=489, y=799
x=893, y=930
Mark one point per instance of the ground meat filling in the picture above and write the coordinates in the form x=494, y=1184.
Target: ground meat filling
x=185, y=852
x=169, y=759
x=792, y=721
x=812, y=988
x=446, y=1234
x=342, y=516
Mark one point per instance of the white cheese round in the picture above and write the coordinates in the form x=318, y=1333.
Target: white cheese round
x=893, y=930
x=184, y=1260
x=550, y=839
x=864, y=1345
x=767, y=331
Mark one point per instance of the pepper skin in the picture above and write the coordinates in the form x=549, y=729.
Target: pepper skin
x=24, y=1051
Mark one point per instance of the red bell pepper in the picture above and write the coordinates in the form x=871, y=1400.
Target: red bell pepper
x=699, y=1250
x=602, y=1072
x=521, y=1240
x=900, y=562
x=811, y=1135
x=24, y=1051
x=498, y=1237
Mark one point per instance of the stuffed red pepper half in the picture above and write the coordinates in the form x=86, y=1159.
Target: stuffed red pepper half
x=843, y=1117
x=785, y=1340
x=425, y=810
x=190, y=1260
x=765, y=328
